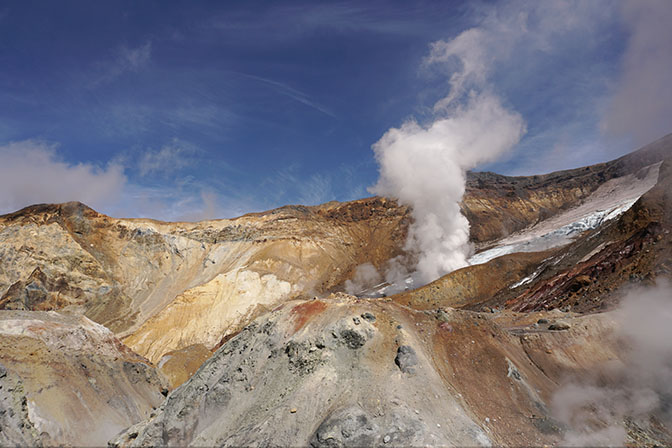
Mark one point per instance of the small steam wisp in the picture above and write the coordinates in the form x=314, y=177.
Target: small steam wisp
x=594, y=411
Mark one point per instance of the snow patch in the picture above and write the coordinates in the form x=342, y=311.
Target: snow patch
x=609, y=201
x=525, y=281
x=559, y=237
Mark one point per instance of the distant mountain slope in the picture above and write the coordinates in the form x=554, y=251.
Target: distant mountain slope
x=497, y=205
x=585, y=275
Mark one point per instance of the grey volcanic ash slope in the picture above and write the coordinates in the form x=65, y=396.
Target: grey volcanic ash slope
x=355, y=372
x=460, y=361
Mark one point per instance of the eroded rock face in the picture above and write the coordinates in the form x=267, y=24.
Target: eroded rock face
x=142, y=278
x=497, y=205
x=67, y=380
x=587, y=274
x=593, y=272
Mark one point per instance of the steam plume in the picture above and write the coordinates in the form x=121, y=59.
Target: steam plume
x=424, y=166
x=642, y=101
x=595, y=412
x=366, y=276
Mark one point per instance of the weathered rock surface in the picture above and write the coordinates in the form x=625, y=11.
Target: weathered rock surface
x=16, y=429
x=406, y=359
x=294, y=378
x=589, y=274
x=179, y=365
x=142, y=278
x=497, y=205
x=67, y=380
x=592, y=273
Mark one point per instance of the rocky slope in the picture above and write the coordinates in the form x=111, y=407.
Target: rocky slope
x=142, y=277
x=67, y=380
x=461, y=361
x=592, y=273
x=497, y=205
x=586, y=274
x=355, y=372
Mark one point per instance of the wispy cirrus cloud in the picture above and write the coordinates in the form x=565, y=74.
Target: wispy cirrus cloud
x=170, y=158
x=179, y=113
x=317, y=189
x=126, y=59
x=287, y=22
x=292, y=184
x=284, y=89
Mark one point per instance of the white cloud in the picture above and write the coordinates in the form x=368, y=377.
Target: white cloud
x=641, y=106
x=32, y=172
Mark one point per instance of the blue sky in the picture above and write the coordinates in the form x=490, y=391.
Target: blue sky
x=190, y=110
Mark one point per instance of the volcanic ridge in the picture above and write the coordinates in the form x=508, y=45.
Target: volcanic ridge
x=238, y=332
